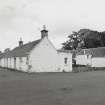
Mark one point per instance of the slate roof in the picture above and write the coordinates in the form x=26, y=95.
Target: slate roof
x=22, y=51
x=1, y=55
x=73, y=52
x=64, y=51
x=95, y=52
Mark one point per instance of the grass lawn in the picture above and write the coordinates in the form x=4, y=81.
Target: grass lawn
x=84, y=88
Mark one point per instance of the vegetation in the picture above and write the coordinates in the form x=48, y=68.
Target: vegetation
x=84, y=38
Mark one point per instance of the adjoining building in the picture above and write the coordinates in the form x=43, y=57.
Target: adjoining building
x=37, y=56
x=93, y=57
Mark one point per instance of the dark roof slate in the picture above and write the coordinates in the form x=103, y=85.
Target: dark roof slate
x=64, y=51
x=95, y=52
x=21, y=51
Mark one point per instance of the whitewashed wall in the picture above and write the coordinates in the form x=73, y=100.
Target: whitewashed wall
x=12, y=62
x=98, y=62
x=17, y=63
x=61, y=62
x=9, y=62
x=83, y=60
x=44, y=58
x=93, y=62
x=5, y=62
x=2, y=62
x=20, y=64
x=23, y=64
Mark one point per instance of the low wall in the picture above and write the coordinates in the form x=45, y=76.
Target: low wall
x=82, y=68
x=98, y=62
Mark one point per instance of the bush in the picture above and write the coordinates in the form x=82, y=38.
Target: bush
x=82, y=69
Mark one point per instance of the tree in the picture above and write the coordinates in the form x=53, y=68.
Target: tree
x=92, y=39
x=74, y=41
x=102, y=36
x=85, y=38
x=67, y=45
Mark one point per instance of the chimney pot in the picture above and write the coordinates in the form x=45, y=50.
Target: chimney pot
x=44, y=32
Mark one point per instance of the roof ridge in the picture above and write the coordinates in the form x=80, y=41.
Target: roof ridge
x=92, y=48
x=21, y=51
x=26, y=44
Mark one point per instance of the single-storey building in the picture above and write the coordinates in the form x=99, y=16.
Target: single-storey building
x=94, y=57
x=37, y=56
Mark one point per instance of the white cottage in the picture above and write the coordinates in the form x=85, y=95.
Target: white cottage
x=37, y=56
x=94, y=57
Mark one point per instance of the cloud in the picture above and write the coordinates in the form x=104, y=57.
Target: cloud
x=21, y=11
x=25, y=17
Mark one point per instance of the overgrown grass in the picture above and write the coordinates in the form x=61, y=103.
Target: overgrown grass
x=84, y=88
x=84, y=68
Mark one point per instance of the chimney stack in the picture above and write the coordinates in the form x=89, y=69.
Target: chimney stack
x=20, y=42
x=44, y=32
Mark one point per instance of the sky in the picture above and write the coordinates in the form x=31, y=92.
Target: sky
x=25, y=18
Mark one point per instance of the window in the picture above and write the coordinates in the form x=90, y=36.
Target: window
x=15, y=59
x=65, y=60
